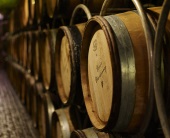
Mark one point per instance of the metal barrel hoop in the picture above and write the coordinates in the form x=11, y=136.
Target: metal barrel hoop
x=84, y=8
x=157, y=68
x=150, y=44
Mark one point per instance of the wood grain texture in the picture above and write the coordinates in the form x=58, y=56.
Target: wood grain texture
x=65, y=65
x=100, y=75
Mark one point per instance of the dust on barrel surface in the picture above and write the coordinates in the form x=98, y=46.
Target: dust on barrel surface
x=45, y=59
x=114, y=71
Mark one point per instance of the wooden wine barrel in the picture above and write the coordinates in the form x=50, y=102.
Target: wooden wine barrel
x=24, y=11
x=30, y=42
x=114, y=72
x=91, y=133
x=31, y=5
x=35, y=56
x=24, y=80
x=154, y=15
x=67, y=56
x=67, y=61
x=35, y=111
x=47, y=51
x=62, y=125
x=30, y=88
x=40, y=10
x=11, y=22
x=14, y=48
x=51, y=4
x=67, y=119
x=46, y=109
x=41, y=112
x=23, y=49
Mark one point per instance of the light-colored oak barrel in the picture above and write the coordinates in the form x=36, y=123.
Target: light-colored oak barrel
x=67, y=119
x=47, y=51
x=62, y=125
x=24, y=11
x=51, y=4
x=45, y=59
x=114, y=72
x=46, y=109
x=31, y=5
x=23, y=49
x=67, y=60
x=35, y=56
x=91, y=133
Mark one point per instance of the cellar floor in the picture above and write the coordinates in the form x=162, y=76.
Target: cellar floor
x=14, y=119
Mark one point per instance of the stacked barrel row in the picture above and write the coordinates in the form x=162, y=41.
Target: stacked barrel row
x=28, y=14
x=94, y=72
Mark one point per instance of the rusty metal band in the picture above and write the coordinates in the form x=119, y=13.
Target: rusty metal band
x=128, y=71
x=65, y=128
